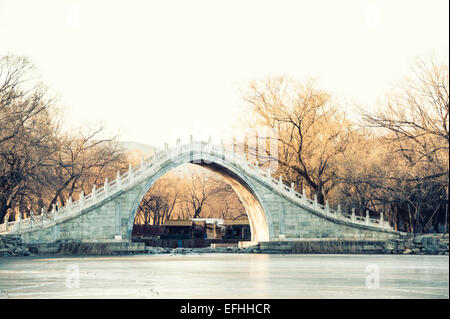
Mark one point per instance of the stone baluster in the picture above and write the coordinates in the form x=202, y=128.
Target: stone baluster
x=130, y=172
x=269, y=176
x=339, y=210
x=381, y=220
x=94, y=192
x=222, y=149
x=69, y=204
x=280, y=182
x=118, y=180
x=106, y=187
x=292, y=186
x=327, y=207
x=179, y=148
x=53, y=208
x=367, y=217
x=315, y=201
x=353, y=214
x=81, y=199
x=166, y=146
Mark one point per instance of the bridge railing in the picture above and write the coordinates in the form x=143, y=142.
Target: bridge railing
x=151, y=164
x=302, y=199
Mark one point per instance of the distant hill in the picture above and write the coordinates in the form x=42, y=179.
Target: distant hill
x=131, y=146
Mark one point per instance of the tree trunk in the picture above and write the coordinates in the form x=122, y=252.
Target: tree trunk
x=410, y=222
x=320, y=195
x=197, y=212
x=3, y=209
x=417, y=214
x=397, y=218
x=446, y=218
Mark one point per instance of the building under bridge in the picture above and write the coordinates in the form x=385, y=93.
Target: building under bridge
x=198, y=232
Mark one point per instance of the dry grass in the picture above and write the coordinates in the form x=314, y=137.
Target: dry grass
x=327, y=247
x=84, y=249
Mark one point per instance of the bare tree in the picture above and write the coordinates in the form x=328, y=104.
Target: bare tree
x=200, y=189
x=417, y=117
x=83, y=160
x=159, y=203
x=311, y=132
x=38, y=164
x=225, y=204
x=415, y=128
x=27, y=133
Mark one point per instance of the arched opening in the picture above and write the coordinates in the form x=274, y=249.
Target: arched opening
x=199, y=204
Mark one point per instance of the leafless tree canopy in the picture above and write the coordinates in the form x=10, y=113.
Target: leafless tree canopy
x=196, y=194
x=415, y=137
x=393, y=161
x=309, y=128
x=40, y=165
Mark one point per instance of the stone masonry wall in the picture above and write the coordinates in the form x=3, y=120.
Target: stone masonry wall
x=293, y=221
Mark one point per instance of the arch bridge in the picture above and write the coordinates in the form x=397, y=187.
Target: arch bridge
x=276, y=211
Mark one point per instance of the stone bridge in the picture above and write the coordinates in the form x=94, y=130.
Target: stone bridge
x=276, y=211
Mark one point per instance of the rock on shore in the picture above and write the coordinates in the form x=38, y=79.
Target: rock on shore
x=12, y=246
x=419, y=245
x=182, y=251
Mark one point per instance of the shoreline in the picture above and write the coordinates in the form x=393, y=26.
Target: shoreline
x=419, y=245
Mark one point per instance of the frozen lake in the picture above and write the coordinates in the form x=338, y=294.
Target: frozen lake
x=225, y=276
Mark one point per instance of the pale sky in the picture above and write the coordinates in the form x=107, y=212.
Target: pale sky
x=159, y=70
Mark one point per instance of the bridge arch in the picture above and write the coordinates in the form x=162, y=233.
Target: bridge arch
x=253, y=201
x=276, y=211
